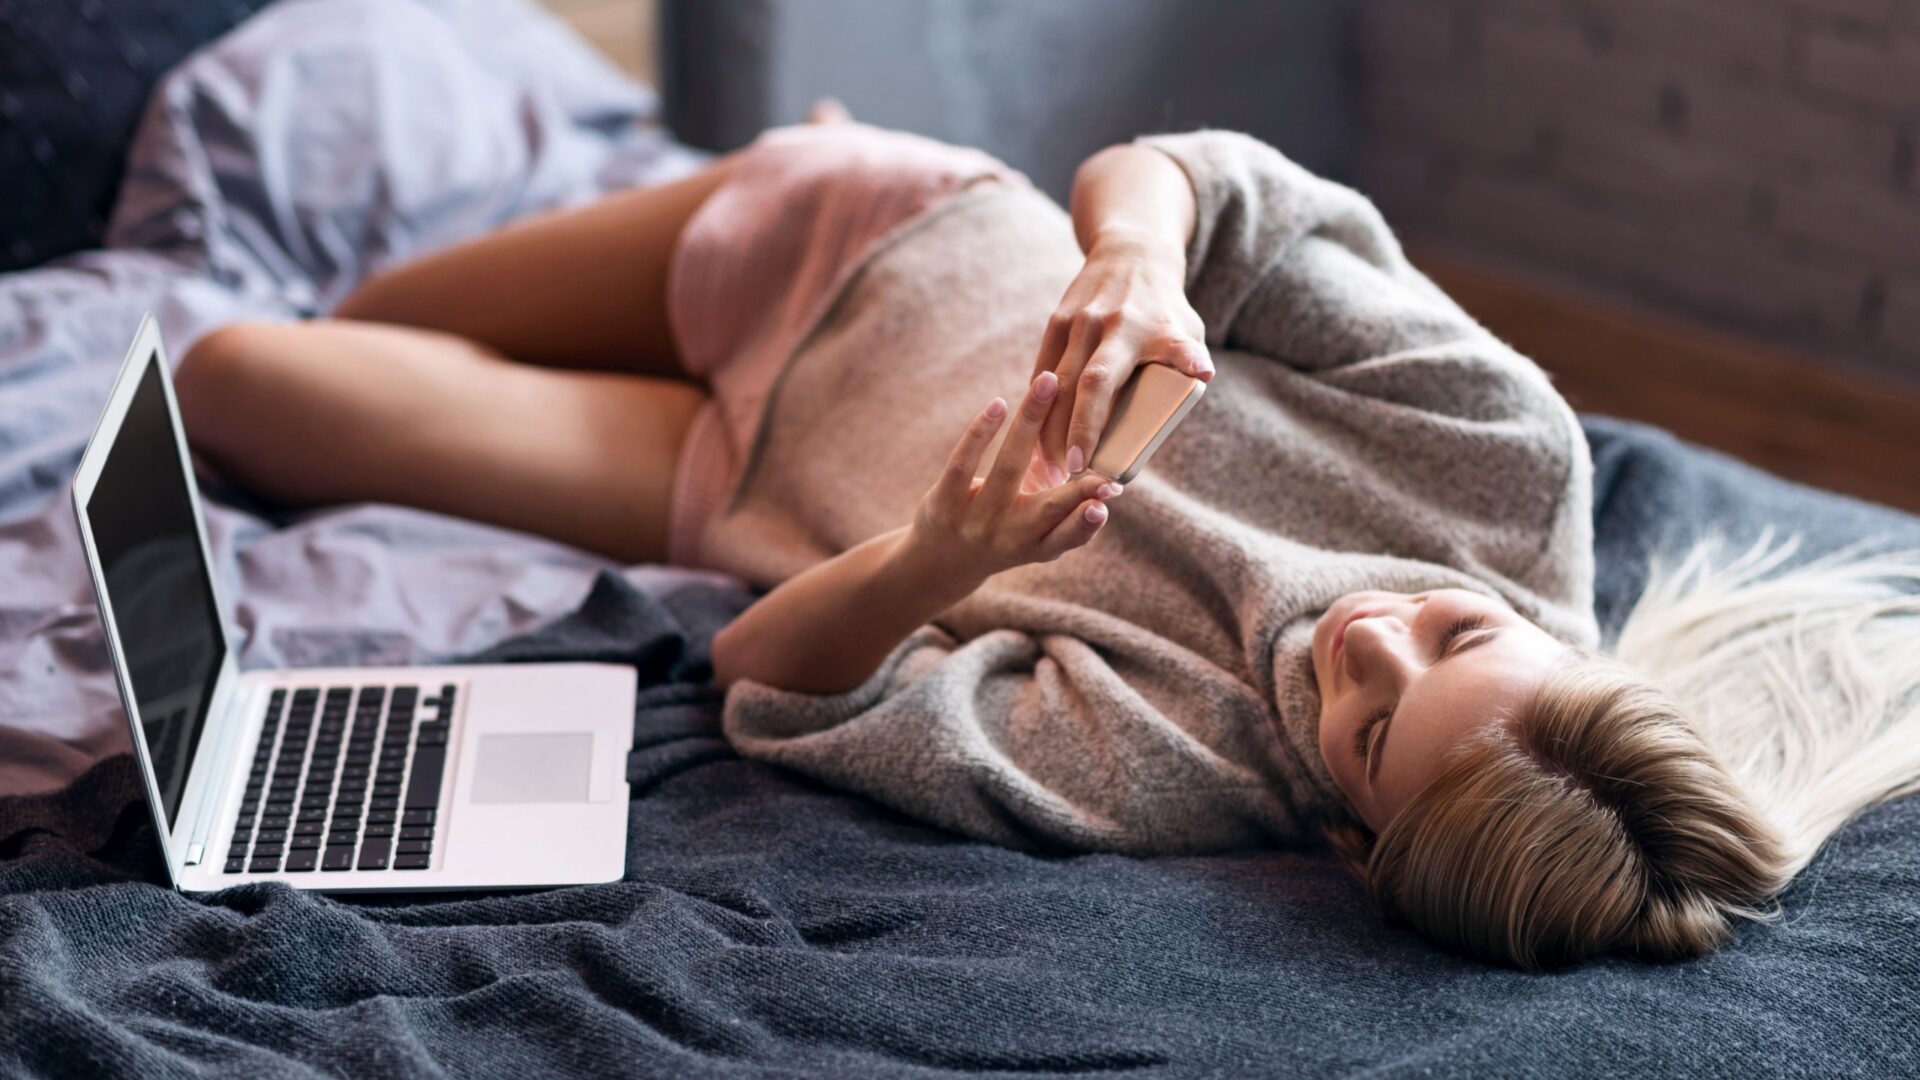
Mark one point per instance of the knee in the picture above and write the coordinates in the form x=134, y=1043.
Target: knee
x=222, y=381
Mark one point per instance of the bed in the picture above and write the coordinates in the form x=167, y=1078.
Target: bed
x=766, y=925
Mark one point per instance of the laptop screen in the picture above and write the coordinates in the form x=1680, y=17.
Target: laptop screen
x=149, y=545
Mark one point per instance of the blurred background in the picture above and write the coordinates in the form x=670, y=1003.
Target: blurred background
x=1701, y=213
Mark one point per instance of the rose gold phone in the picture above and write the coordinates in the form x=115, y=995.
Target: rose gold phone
x=1154, y=401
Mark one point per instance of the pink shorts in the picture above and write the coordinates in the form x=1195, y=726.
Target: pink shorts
x=762, y=260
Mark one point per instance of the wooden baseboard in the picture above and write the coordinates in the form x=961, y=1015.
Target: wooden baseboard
x=1789, y=415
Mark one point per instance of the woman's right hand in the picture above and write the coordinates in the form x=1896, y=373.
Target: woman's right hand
x=976, y=527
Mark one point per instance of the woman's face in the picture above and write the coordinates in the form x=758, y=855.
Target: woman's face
x=1404, y=678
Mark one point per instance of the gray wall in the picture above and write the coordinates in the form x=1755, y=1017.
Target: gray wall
x=1040, y=83
x=1747, y=163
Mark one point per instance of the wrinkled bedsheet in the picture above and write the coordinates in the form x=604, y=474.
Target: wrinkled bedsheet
x=767, y=925
x=274, y=170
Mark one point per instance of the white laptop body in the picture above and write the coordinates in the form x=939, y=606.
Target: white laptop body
x=337, y=779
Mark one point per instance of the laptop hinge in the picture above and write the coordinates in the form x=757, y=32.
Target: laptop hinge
x=233, y=715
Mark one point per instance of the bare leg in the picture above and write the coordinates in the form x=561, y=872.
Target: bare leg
x=579, y=288
x=428, y=410
x=335, y=411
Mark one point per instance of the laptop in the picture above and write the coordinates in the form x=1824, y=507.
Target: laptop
x=336, y=779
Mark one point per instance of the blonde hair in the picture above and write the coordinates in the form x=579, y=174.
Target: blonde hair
x=1646, y=803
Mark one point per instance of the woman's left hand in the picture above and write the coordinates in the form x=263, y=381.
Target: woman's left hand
x=1128, y=306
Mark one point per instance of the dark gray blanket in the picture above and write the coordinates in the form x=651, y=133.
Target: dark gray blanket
x=769, y=925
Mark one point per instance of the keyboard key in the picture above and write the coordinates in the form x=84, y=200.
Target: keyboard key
x=418, y=817
x=342, y=838
x=263, y=866
x=273, y=836
x=386, y=802
x=423, y=789
x=302, y=860
x=308, y=827
x=244, y=824
x=381, y=817
x=234, y=866
x=318, y=801
x=373, y=854
x=274, y=821
x=311, y=840
x=414, y=847
x=416, y=832
x=381, y=828
x=410, y=862
x=238, y=850
x=338, y=858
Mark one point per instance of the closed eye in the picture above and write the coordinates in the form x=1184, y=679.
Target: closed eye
x=1363, y=738
x=1453, y=642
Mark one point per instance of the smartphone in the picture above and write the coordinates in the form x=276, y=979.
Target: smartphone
x=1152, y=403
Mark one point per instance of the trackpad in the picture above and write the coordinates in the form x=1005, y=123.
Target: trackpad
x=543, y=768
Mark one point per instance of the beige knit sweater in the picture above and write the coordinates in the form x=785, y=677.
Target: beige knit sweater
x=1153, y=692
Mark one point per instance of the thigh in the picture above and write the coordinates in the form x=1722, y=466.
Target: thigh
x=584, y=287
x=343, y=412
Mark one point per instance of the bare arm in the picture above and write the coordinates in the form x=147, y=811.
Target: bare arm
x=1135, y=194
x=828, y=629
x=1133, y=213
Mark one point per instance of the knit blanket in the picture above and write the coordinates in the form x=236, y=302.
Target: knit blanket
x=767, y=925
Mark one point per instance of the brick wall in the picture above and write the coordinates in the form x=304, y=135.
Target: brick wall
x=1751, y=164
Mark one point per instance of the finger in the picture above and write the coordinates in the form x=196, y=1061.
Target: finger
x=1100, y=382
x=1081, y=343
x=1011, y=463
x=1080, y=526
x=1053, y=507
x=1052, y=343
x=1182, y=354
x=956, y=481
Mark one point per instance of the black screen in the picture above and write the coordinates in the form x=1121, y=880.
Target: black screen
x=149, y=545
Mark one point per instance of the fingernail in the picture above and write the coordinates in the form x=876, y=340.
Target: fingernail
x=1075, y=460
x=996, y=409
x=1047, y=385
x=1096, y=513
x=1109, y=491
x=1055, y=474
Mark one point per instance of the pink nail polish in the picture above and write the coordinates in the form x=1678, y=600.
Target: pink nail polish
x=1056, y=475
x=1047, y=385
x=1096, y=513
x=1076, y=460
x=996, y=409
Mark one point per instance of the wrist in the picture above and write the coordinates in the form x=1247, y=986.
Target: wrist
x=934, y=570
x=1135, y=243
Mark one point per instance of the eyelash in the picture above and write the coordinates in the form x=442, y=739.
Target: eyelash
x=1363, y=738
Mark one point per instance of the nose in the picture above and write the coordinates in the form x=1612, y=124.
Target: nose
x=1381, y=647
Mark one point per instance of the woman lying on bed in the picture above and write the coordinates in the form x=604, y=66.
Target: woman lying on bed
x=1350, y=598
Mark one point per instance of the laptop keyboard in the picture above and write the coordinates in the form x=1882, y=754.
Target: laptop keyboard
x=318, y=797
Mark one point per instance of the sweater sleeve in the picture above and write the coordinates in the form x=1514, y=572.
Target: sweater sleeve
x=1300, y=269
x=1033, y=741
